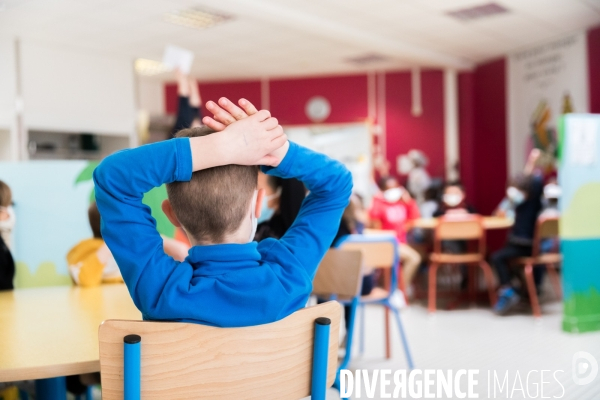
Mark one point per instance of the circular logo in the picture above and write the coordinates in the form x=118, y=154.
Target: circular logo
x=585, y=368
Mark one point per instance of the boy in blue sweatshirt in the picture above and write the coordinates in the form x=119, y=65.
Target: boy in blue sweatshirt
x=227, y=280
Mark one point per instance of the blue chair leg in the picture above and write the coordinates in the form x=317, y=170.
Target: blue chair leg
x=403, y=337
x=131, y=367
x=89, y=393
x=51, y=388
x=320, y=357
x=362, y=330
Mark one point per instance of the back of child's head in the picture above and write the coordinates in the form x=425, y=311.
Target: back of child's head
x=94, y=218
x=215, y=201
x=5, y=195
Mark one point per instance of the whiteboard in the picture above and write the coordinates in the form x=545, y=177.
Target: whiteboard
x=349, y=144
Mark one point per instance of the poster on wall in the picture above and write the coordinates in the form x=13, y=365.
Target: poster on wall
x=544, y=83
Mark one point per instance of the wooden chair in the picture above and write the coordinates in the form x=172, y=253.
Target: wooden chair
x=379, y=252
x=287, y=359
x=458, y=227
x=339, y=277
x=546, y=228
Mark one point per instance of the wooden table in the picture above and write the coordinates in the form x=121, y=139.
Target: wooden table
x=488, y=223
x=53, y=331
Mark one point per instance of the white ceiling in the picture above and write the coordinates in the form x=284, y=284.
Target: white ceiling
x=270, y=38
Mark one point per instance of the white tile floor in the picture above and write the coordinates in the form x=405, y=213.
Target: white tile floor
x=475, y=338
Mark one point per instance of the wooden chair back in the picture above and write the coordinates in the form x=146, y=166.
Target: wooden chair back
x=339, y=274
x=191, y=361
x=459, y=227
x=375, y=254
x=546, y=228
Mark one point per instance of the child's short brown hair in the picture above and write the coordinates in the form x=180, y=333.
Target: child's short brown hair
x=94, y=217
x=5, y=195
x=215, y=201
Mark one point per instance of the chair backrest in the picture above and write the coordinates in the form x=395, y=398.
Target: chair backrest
x=546, y=228
x=459, y=227
x=339, y=274
x=378, y=251
x=191, y=361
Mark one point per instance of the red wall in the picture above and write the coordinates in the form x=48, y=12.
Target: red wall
x=489, y=145
x=405, y=131
x=249, y=90
x=346, y=94
x=466, y=129
x=593, y=37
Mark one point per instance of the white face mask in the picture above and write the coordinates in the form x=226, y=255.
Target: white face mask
x=552, y=191
x=452, y=199
x=515, y=195
x=393, y=195
x=253, y=217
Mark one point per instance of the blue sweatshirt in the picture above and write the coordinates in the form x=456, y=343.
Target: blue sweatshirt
x=224, y=285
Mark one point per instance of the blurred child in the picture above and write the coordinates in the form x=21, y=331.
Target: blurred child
x=227, y=280
x=91, y=262
x=454, y=201
x=7, y=215
x=280, y=205
x=393, y=210
x=525, y=192
x=7, y=222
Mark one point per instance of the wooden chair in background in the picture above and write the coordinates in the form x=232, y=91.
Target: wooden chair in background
x=288, y=359
x=546, y=228
x=459, y=227
x=339, y=277
x=379, y=252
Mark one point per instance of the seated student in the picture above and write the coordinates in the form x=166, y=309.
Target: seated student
x=280, y=205
x=525, y=191
x=7, y=214
x=188, y=108
x=91, y=262
x=7, y=223
x=454, y=201
x=393, y=209
x=227, y=280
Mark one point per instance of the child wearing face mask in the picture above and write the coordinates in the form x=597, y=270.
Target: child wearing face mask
x=454, y=201
x=7, y=223
x=525, y=191
x=280, y=206
x=392, y=210
x=7, y=214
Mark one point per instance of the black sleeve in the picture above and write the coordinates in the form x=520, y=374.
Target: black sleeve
x=184, y=115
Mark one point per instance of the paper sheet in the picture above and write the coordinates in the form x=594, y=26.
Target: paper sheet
x=177, y=57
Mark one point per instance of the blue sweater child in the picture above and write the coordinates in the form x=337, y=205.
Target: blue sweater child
x=228, y=282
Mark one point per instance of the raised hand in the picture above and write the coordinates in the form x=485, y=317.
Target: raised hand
x=226, y=112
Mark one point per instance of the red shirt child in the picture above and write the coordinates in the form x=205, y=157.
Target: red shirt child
x=394, y=208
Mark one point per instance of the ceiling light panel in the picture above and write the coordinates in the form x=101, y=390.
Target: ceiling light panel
x=147, y=67
x=197, y=18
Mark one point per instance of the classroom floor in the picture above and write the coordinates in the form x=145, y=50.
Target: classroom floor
x=474, y=338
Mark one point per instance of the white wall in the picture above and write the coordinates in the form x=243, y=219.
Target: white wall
x=8, y=134
x=7, y=82
x=74, y=90
x=151, y=96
